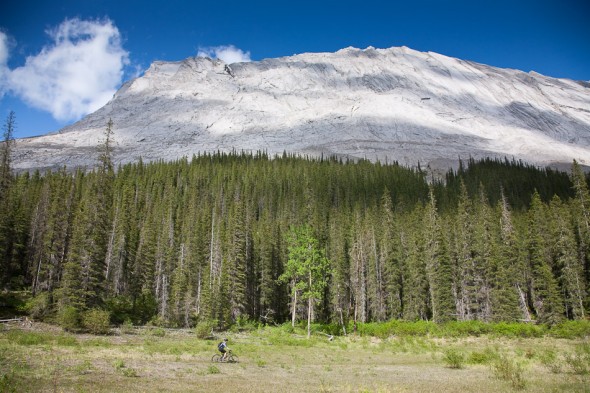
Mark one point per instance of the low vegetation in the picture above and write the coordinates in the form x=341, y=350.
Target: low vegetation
x=47, y=358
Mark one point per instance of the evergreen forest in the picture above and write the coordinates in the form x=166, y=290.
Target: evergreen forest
x=211, y=238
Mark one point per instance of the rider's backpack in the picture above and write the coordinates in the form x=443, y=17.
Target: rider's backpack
x=220, y=346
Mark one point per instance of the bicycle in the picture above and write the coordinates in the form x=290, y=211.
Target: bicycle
x=230, y=358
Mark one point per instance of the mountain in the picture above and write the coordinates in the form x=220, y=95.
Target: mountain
x=393, y=104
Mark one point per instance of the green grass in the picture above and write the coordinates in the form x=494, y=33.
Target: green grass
x=282, y=358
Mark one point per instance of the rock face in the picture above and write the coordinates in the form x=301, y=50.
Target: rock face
x=392, y=104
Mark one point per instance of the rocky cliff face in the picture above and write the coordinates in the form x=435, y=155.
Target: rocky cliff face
x=392, y=104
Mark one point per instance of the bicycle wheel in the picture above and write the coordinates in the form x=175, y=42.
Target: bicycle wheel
x=216, y=358
x=232, y=359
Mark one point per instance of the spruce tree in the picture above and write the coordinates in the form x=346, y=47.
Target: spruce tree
x=438, y=264
x=7, y=223
x=504, y=295
x=84, y=283
x=545, y=291
x=566, y=261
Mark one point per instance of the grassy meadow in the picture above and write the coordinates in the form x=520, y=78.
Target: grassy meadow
x=44, y=358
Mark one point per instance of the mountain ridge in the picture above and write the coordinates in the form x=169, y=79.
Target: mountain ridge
x=394, y=104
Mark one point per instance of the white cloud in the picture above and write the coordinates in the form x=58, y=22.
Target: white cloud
x=4, y=52
x=75, y=75
x=3, y=49
x=227, y=53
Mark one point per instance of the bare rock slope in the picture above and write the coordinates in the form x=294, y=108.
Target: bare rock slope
x=392, y=104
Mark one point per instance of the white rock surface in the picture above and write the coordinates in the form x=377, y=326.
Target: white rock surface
x=392, y=104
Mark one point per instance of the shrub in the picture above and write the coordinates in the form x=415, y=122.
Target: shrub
x=39, y=306
x=518, y=329
x=158, y=332
x=484, y=357
x=204, y=329
x=463, y=328
x=96, y=321
x=244, y=325
x=454, y=358
x=127, y=327
x=571, y=329
x=509, y=370
x=68, y=318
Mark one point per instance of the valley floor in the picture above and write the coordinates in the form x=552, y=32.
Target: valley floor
x=43, y=358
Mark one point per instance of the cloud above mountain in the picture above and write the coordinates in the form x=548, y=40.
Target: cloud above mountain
x=227, y=53
x=77, y=73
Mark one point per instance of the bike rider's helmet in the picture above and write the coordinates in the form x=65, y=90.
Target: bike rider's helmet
x=225, y=339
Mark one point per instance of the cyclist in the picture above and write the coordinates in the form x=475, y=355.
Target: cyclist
x=223, y=348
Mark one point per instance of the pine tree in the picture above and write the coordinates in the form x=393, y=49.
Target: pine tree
x=6, y=156
x=7, y=223
x=438, y=264
x=84, y=283
x=504, y=295
x=565, y=259
x=307, y=268
x=414, y=273
x=544, y=288
x=390, y=254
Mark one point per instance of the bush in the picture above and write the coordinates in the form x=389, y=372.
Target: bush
x=204, y=329
x=68, y=318
x=244, y=325
x=158, y=332
x=509, y=370
x=96, y=321
x=484, y=357
x=518, y=329
x=463, y=328
x=39, y=306
x=127, y=327
x=454, y=358
x=571, y=329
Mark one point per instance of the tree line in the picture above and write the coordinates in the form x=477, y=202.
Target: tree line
x=214, y=238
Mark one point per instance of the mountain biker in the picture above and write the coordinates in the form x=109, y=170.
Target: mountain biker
x=223, y=348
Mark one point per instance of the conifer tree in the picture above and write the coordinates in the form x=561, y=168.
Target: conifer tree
x=6, y=156
x=307, y=267
x=390, y=254
x=566, y=261
x=504, y=295
x=414, y=273
x=7, y=222
x=438, y=264
x=84, y=283
x=545, y=292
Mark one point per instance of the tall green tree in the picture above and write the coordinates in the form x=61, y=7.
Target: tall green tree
x=505, y=283
x=6, y=154
x=84, y=283
x=7, y=224
x=307, y=268
x=544, y=288
x=565, y=259
x=438, y=264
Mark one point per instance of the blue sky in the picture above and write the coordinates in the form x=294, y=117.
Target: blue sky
x=62, y=59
